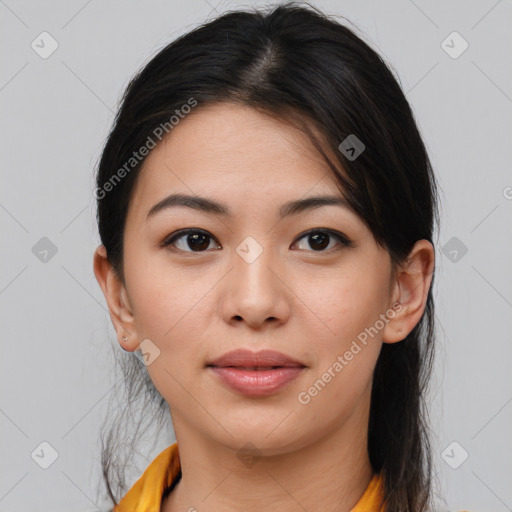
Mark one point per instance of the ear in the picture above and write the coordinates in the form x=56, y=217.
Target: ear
x=410, y=292
x=117, y=299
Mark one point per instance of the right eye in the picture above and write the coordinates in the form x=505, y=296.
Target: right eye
x=191, y=240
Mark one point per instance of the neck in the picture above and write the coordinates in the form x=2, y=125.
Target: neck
x=330, y=474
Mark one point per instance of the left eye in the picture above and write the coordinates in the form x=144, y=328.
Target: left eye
x=319, y=240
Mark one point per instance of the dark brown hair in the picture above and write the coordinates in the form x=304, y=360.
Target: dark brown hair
x=304, y=67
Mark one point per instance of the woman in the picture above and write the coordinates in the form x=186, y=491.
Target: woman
x=266, y=208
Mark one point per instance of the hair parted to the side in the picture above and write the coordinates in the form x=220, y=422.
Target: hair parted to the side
x=304, y=67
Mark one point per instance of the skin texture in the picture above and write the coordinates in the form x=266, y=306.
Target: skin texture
x=309, y=304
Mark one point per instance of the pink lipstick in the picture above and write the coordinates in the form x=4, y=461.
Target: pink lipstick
x=260, y=373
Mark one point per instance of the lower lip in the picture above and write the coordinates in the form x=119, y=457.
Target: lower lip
x=256, y=382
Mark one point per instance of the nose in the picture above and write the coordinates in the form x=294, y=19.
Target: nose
x=256, y=292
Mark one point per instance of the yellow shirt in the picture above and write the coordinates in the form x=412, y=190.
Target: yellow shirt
x=146, y=493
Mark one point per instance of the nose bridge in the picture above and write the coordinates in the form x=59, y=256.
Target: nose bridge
x=252, y=262
x=254, y=291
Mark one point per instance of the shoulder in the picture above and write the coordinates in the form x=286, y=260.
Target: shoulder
x=146, y=493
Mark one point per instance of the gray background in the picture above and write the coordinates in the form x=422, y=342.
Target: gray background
x=56, y=334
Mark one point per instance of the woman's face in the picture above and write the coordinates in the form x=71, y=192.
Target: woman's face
x=250, y=279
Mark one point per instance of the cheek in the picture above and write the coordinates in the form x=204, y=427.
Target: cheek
x=342, y=305
x=172, y=310
x=348, y=303
x=344, y=354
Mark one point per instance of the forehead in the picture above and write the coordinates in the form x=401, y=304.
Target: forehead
x=234, y=152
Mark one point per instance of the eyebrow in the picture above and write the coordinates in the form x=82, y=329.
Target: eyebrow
x=213, y=207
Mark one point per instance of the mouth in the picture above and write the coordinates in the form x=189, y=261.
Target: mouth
x=255, y=381
x=255, y=361
x=255, y=374
x=257, y=368
x=254, y=368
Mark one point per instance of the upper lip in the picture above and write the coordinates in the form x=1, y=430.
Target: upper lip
x=243, y=357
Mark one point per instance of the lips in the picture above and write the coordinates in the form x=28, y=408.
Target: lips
x=255, y=374
x=258, y=368
x=257, y=361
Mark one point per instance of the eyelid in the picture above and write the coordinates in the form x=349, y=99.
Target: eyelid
x=340, y=237
x=182, y=232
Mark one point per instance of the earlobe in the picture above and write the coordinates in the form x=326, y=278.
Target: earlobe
x=413, y=281
x=117, y=300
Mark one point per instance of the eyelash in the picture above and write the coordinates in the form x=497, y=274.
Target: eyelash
x=340, y=237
